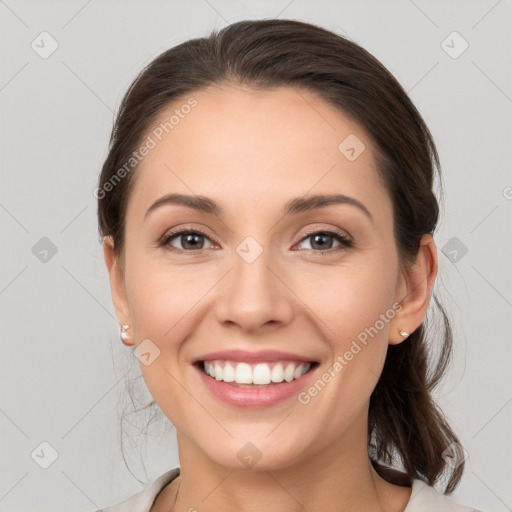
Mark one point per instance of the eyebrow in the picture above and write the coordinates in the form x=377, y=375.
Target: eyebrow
x=294, y=206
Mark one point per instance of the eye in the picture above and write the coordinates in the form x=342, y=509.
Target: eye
x=188, y=240
x=191, y=240
x=324, y=240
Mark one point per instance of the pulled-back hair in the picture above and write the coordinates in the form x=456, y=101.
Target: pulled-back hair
x=405, y=425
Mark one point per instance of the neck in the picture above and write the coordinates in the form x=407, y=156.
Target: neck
x=338, y=477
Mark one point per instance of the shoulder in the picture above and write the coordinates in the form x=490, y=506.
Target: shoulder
x=142, y=500
x=425, y=498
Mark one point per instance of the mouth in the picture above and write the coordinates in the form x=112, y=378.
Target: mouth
x=255, y=375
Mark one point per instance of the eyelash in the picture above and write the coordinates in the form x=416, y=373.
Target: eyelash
x=345, y=242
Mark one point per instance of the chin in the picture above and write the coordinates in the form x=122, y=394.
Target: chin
x=257, y=455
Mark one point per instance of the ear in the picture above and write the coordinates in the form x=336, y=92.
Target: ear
x=414, y=290
x=117, y=285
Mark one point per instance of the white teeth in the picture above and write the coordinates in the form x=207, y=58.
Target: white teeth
x=277, y=373
x=259, y=374
x=217, y=371
x=298, y=372
x=228, y=373
x=289, y=372
x=243, y=374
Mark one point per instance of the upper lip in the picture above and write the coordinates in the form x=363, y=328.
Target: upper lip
x=245, y=356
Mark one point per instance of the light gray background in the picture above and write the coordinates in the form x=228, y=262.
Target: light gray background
x=62, y=364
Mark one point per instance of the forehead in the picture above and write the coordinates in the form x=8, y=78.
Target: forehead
x=240, y=146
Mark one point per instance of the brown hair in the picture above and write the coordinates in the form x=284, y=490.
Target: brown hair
x=405, y=425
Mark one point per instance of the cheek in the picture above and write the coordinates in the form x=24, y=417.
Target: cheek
x=163, y=305
x=350, y=298
x=166, y=299
x=158, y=306
x=353, y=308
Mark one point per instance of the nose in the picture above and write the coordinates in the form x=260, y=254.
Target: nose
x=254, y=296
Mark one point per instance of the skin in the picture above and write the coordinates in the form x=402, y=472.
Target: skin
x=251, y=152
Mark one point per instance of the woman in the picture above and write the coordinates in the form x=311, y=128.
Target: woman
x=267, y=212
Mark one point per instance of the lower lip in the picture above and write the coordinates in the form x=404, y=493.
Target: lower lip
x=255, y=397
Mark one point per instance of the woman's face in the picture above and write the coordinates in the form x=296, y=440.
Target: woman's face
x=254, y=277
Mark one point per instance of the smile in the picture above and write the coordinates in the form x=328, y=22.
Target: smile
x=256, y=374
x=257, y=385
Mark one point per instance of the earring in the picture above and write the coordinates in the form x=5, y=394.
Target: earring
x=124, y=335
x=403, y=333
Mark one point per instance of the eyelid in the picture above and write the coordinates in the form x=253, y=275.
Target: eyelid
x=173, y=232
x=346, y=240
x=321, y=229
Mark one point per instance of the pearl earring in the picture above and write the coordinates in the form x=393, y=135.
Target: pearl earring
x=403, y=333
x=124, y=335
